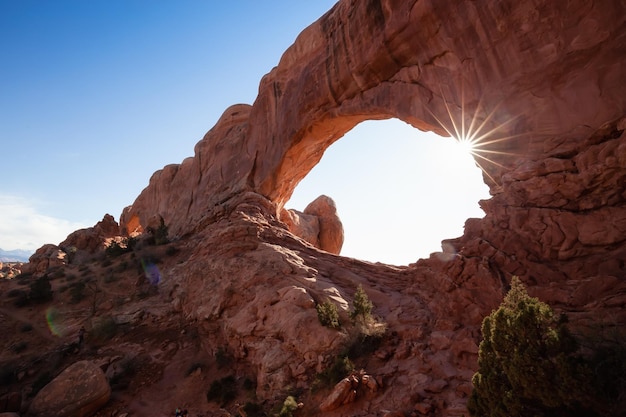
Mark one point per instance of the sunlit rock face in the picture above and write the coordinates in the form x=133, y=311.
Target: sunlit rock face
x=539, y=84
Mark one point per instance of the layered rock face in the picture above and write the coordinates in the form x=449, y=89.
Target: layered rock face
x=543, y=82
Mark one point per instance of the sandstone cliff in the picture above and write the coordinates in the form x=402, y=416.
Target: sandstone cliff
x=543, y=81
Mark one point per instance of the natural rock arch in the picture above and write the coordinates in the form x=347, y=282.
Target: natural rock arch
x=550, y=76
x=417, y=62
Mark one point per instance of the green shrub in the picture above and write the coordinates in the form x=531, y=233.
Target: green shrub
x=361, y=306
x=103, y=330
x=77, y=292
x=19, y=347
x=253, y=410
x=40, y=290
x=116, y=248
x=110, y=277
x=161, y=234
x=222, y=357
x=527, y=364
x=289, y=406
x=328, y=314
x=222, y=391
x=21, y=299
x=249, y=384
x=341, y=367
x=171, y=250
x=26, y=327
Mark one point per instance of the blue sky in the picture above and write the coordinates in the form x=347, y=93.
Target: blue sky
x=97, y=95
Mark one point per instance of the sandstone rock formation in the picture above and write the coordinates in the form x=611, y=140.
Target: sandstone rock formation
x=543, y=81
x=92, y=239
x=77, y=246
x=46, y=257
x=319, y=224
x=79, y=391
x=347, y=390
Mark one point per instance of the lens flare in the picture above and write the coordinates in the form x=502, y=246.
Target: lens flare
x=56, y=322
x=151, y=271
x=475, y=139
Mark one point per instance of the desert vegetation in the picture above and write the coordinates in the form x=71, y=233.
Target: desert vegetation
x=531, y=364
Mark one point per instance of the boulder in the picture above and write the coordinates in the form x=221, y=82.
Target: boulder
x=319, y=224
x=47, y=256
x=90, y=240
x=331, y=230
x=79, y=391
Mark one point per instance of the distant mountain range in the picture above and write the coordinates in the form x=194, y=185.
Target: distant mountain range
x=16, y=255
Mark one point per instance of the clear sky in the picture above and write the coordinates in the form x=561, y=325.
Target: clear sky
x=97, y=95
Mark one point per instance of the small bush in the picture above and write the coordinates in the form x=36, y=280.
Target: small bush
x=111, y=278
x=16, y=293
x=253, y=410
x=328, y=315
x=77, y=292
x=171, y=250
x=19, y=347
x=249, y=384
x=289, y=406
x=222, y=357
x=160, y=234
x=26, y=327
x=340, y=368
x=116, y=248
x=104, y=330
x=24, y=278
x=364, y=344
x=40, y=290
x=361, y=306
x=57, y=273
x=528, y=363
x=21, y=300
x=222, y=391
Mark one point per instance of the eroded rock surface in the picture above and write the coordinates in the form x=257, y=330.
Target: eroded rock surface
x=544, y=81
x=319, y=224
x=79, y=391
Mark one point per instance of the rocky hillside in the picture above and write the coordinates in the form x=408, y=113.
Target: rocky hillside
x=216, y=307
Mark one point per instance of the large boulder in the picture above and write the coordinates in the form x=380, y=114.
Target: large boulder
x=319, y=224
x=85, y=242
x=79, y=391
x=47, y=256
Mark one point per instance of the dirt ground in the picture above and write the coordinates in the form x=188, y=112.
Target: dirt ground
x=130, y=326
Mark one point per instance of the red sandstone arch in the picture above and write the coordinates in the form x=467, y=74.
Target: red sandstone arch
x=557, y=72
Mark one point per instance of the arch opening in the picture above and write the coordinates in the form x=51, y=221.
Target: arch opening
x=399, y=191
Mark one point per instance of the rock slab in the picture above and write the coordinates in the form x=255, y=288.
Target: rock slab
x=79, y=391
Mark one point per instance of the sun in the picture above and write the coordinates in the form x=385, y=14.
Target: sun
x=465, y=145
x=476, y=136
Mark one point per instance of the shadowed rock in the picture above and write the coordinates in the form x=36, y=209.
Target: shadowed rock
x=79, y=391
